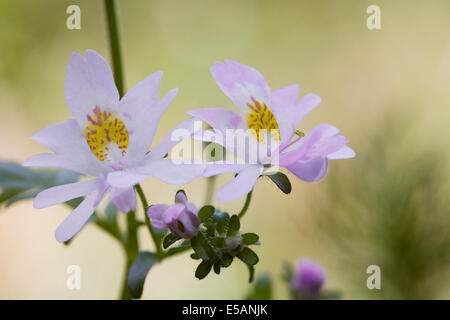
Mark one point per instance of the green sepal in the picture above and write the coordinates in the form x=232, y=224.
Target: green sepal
x=170, y=239
x=282, y=182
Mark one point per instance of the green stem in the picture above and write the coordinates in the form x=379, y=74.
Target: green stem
x=114, y=42
x=156, y=240
x=131, y=244
x=246, y=205
x=131, y=251
x=124, y=292
x=210, y=189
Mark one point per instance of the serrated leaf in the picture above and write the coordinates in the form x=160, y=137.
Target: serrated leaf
x=282, y=182
x=170, y=239
x=19, y=183
x=220, y=215
x=210, y=230
x=248, y=256
x=222, y=219
x=138, y=272
x=234, y=225
x=203, y=270
x=205, y=213
x=250, y=238
x=218, y=242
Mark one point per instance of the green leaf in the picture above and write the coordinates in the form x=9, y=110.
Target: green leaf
x=138, y=272
x=111, y=212
x=226, y=260
x=222, y=219
x=262, y=289
x=248, y=256
x=234, y=225
x=203, y=269
x=250, y=238
x=19, y=183
x=205, y=213
x=170, y=239
x=217, y=267
x=282, y=182
x=220, y=215
x=202, y=247
x=210, y=230
x=218, y=242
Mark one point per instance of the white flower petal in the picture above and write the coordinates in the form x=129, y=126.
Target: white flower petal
x=123, y=198
x=183, y=130
x=170, y=172
x=67, y=141
x=125, y=178
x=76, y=163
x=63, y=193
x=89, y=83
x=241, y=185
x=78, y=218
x=343, y=153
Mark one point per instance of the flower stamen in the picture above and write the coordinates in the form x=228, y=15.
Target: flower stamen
x=102, y=129
x=261, y=118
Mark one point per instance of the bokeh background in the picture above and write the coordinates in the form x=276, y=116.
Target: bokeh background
x=388, y=91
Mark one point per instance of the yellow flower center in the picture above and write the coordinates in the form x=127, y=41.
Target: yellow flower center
x=103, y=129
x=261, y=118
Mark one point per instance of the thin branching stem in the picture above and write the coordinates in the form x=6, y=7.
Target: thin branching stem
x=156, y=240
x=114, y=43
x=244, y=209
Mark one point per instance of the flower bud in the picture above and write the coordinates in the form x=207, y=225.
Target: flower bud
x=232, y=243
x=181, y=221
x=181, y=218
x=308, y=279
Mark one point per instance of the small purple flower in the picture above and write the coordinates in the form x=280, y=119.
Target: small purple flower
x=181, y=218
x=308, y=279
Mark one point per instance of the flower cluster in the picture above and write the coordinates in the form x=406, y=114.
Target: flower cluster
x=110, y=138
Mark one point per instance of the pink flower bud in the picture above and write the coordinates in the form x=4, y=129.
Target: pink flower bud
x=308, y=279
x=181, y=218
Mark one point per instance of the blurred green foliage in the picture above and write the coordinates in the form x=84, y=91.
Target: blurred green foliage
x=389, y=208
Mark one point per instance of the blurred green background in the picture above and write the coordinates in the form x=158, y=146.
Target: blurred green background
x=387, y=90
